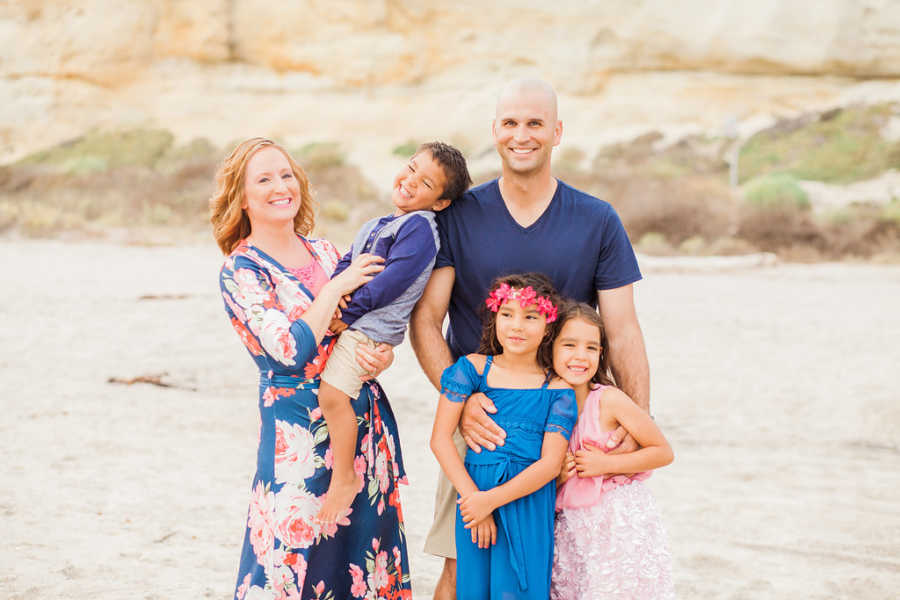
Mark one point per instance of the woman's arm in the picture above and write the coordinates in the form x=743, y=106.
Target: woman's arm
x=446, y=420
x=318, y=316
x=476, y=505
x=655, y=451
x=252, y=304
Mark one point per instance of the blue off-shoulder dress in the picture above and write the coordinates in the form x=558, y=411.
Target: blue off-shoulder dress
x=518, y=565
x=287, y=554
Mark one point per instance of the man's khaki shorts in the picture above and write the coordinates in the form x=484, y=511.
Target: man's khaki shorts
x=441, y=540
x=342, y=371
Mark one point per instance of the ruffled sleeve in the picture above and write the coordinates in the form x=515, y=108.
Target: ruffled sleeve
x=252, y=305
x=563, y=412
x=460, y=380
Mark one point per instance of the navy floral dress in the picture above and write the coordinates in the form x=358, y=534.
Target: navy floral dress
x=287, y=554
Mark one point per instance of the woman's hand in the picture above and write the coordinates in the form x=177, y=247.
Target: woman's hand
x=591, y=461
x=475, y=507
x=360, y=272
x=374, y=360
x=568, y=469
x=484, y=533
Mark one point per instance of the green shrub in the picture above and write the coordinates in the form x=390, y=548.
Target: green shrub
x=335, y=210
x=196, y=150
x=775, y=191
x=838, y=146
x=102, y=150
x=837, y=216
x=891, y=212
x=9, y=214
x=84, y=165
x=158, y=214
x=694, y=245
x=653, y=242
x=406, y=149
x=38, y=220
x=320, y=155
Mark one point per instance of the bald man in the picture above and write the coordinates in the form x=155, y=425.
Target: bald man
x=527, y=220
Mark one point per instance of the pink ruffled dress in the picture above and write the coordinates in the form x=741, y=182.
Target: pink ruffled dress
x=609, y=539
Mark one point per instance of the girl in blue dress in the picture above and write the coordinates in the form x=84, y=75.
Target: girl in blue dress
x=504, y=521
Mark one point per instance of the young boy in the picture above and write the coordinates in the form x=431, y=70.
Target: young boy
x=379, y=311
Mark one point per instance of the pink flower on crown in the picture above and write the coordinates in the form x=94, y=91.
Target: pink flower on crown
x=526, y=296
x=546, y=308
x=551, y=316
x=498, y=297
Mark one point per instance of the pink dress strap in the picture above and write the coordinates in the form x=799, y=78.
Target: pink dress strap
x=580, y=492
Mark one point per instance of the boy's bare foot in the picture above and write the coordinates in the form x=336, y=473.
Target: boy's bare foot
x=341, y=492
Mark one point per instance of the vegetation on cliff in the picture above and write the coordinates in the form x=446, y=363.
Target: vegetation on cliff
x=674, y=198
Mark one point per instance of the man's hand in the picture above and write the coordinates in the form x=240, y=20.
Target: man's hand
x=475, y=507
x=374, y=361
x=567, y=471
x=337, y=326
x=477, y=428
x=485, y=533
x=590, y=462
x=621, y=442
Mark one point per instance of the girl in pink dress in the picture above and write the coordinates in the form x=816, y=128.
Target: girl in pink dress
x=609, y=541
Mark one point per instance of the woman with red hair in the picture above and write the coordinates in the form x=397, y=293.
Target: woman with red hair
x=280, y=299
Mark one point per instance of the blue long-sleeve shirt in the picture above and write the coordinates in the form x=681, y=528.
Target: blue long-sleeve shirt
x=407, y=253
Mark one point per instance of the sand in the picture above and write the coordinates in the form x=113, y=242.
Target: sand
x=775, y=386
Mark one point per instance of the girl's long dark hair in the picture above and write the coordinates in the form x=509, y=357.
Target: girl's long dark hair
x=543, y=287
x=579, y=310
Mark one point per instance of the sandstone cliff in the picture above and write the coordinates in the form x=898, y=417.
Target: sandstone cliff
x=374, y=73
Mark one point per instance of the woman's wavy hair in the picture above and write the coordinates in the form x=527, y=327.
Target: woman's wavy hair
x=229, y=220
x=544, y=287
x=579, y=310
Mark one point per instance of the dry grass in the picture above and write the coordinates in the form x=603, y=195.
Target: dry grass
x=139, y=179
x=837, y=146
x=673, y=199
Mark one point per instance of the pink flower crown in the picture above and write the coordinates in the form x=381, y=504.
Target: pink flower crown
x=526, y=297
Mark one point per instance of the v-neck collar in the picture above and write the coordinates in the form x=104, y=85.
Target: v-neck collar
x=537, y=221
x=312, y=252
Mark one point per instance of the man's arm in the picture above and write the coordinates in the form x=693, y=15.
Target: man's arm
x=428, y=342
x=426, y=322
x=627, y=354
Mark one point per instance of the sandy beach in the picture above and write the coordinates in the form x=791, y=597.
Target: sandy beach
x=775, y=386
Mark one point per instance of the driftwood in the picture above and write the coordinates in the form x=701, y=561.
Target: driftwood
x=164, y=296
x=151, y=378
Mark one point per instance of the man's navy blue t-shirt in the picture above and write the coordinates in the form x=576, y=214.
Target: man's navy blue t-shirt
x=579, y=242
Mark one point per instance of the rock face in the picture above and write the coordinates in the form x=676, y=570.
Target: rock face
x=397, y=68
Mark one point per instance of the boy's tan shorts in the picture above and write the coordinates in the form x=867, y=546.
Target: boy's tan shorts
x=441, y=540
x=342, y=371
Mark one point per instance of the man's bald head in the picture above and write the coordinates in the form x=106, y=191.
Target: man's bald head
x=526, y=128
x=534, y=89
